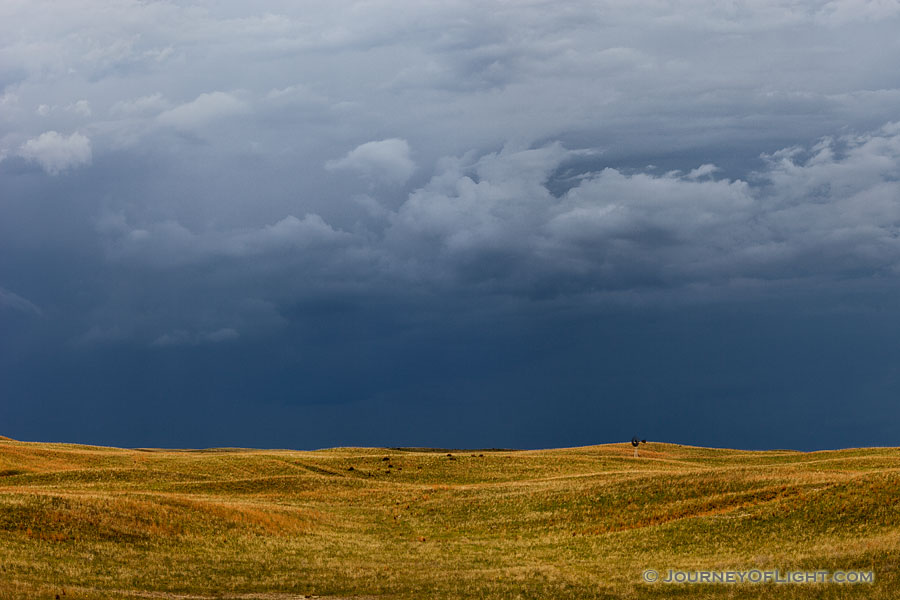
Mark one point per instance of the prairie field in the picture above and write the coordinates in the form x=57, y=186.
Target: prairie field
x=87, y=522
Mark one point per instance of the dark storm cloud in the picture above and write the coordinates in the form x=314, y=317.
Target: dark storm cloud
x=375, y=202
x=489, y=224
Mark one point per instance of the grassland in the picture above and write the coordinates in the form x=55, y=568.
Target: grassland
x=86, y=522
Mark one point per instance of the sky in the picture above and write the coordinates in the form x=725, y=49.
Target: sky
x=517, y=224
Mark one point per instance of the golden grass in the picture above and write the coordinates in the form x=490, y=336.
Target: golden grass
x=363, y=522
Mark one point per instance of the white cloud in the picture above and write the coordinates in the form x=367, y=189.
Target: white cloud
x=498, y=202
x=81, y=108
x=203, y=109
x=57, y=153
x=385, y=160
x=703, y=171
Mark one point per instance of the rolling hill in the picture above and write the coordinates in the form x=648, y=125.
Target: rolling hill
x=94, y=522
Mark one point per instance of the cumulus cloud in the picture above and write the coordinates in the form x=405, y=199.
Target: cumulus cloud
x=702, y=171
x=825, y=214
x=57, y=153
x=498, y=202
x=827, y=211
x=527, y=73
x=203, y=109
x=385, y=160
x=499, y=205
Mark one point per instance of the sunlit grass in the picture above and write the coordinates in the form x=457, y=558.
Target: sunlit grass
x=568, y=523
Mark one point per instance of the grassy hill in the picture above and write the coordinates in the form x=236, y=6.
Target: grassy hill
x=93, y=522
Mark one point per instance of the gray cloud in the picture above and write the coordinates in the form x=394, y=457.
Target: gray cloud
x=170, y=244
x=152, y=104
x=426, y=72
x=825, y=214
x=827, y=211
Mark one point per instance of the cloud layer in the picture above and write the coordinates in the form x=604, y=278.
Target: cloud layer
x=827, y=214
